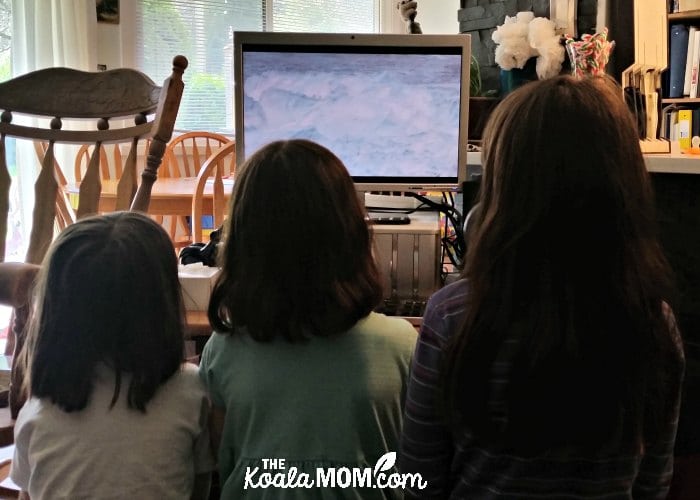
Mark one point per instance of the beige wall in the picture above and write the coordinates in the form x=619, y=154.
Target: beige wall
x=438, y=16
x=116, y=42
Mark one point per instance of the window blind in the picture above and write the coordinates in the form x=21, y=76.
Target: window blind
x=202, y=30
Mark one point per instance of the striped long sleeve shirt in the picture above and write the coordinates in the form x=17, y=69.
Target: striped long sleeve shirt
x=458, y=470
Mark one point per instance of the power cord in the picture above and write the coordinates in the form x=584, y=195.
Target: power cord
x=452, y=241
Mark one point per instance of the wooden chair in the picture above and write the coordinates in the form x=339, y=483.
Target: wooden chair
x=220, y=164
x=112, y=165
x=50, y=96
x=185, y=154
x=16, y=281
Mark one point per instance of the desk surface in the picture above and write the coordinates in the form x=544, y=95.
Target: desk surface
x=197, y=324
x=673, y=163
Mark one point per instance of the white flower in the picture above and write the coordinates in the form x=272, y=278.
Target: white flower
x=524, y=36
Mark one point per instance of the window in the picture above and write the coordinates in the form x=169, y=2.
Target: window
x=203, y=30
x=15, y=244
x=5, y=39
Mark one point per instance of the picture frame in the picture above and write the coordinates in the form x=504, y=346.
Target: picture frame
x=107, y=11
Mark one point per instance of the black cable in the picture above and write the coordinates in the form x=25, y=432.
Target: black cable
x=453, y=245
x=452, y=242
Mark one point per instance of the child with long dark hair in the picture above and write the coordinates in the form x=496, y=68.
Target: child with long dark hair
x=554, y=367
x=113, y=411
x=299, y=367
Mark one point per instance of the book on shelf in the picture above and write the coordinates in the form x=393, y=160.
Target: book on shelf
x=693, y=92
x=695, y=127
x=678, y=52
x=685, y=121
x=680, y=124
x=666, y=121
x=673, y=134
x=690, y=56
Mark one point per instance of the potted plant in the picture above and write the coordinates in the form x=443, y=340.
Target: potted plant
x=480, y=106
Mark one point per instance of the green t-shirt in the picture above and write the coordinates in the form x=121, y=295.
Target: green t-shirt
x=325, y=403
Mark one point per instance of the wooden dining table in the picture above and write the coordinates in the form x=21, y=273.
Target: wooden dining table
x=169, y=196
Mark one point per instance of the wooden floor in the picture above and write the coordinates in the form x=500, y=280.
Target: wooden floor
x=5, y=493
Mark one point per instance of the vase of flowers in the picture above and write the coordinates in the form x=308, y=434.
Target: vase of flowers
x=527, y=48
x=513, y=78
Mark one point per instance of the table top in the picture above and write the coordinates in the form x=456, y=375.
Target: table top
x=169, y=195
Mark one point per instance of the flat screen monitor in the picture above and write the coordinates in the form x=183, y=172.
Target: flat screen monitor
x=393, y=108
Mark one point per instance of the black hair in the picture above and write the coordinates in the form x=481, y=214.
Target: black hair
x=107, y=292
x=297, y=257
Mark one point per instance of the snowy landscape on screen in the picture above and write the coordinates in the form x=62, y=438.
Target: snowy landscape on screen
x=382, y=114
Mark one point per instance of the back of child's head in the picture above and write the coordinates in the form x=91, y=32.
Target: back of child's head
x=564, y=257
x=297, y=260
x=108, y=293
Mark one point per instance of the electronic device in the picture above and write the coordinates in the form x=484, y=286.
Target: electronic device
x=393, y=108
x=391, y=220
x=408, y=257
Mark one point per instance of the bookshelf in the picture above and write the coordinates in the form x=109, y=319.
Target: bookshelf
x=670, y=163
x=669, y=105
x=689, y=15
x=681, y=100
x=673, y=163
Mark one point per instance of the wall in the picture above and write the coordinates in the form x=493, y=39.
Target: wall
x=116, y=44
x=438, y=16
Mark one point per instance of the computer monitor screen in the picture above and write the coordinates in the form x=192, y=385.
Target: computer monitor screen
x=393, y=108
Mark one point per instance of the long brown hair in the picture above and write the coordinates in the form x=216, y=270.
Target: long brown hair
x=567, y=279
x=297, y=259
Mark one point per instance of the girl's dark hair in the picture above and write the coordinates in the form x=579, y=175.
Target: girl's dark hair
x=297, y=258
x=566, y=340
x=107, y=292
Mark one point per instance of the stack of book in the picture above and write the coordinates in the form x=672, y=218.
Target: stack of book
x=681, y=124
x=684, y=61
x=680, y=120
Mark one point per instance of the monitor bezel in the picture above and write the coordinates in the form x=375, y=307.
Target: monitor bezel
x=462, y=42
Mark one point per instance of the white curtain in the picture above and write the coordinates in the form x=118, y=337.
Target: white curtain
x=48, y=33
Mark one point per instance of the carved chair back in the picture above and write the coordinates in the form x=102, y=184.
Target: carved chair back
x=124, y=106
x=110, y=99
